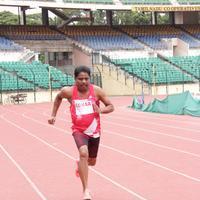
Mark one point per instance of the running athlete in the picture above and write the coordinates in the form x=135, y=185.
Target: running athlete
x=84, y=99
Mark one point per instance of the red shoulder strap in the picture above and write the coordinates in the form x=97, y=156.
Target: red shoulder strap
x=92, y=90
x=74, y=92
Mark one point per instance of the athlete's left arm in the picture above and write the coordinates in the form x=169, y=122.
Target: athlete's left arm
x=101, y=95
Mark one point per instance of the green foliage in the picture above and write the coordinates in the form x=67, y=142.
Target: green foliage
x=99, y=17
x=42, y=57
x=163, y=18
x=119, y=18
x=7, y=17
x=136, y=18
x=34, y=19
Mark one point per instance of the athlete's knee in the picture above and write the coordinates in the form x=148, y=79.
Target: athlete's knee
x=92, y=161
x=83, y=152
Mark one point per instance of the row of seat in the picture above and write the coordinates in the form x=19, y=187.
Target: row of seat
x=89, y=1
x=104, y=37
x=18, y=32
x=89, y=31
x=109, y=42
x=153, y=70
x=157, y=2
x=151, y=2
x=191, y=64
x=9, y=45
x=41, y=75
x=10, y=82
x=153, y=36
x=195, y=2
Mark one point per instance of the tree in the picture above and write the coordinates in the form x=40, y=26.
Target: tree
x=129, y=17
x=99, y=17
x=7, y=17
x=163, y=18
x=34, y=19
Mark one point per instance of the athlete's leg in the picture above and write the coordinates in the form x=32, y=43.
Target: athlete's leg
x=82, y=144
x=83, y=166
x=93, y=146
x=91, y=161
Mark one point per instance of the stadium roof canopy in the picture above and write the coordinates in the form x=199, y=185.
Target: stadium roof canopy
x=84, y=6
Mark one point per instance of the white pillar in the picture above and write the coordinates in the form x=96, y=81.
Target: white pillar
x=178, y=17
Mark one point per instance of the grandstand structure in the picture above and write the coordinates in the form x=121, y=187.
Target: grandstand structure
x=134, y=59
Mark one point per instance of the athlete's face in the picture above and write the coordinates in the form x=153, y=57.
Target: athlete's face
x=82, y=81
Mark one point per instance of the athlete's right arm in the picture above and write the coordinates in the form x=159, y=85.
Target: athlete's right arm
x=65, y=92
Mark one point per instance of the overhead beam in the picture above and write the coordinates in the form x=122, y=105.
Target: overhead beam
x=73, y=19
x=59, y=13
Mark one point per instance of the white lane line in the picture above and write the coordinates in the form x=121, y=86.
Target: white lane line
x=152, y=163
x=158, y=116
x=146, y=130
x=152, y=143
x=140, y=140
x=32, y=184
x=72, y=158
x=153, y=123
x=141, y=159
x=119, y=151
x=144, y=122
x=130, y=137
x=154, y=132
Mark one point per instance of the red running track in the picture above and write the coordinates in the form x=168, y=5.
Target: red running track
x=142, y=156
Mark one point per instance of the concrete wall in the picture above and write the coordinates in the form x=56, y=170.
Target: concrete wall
x=47, y=45
x=116, y=82
x=115, y=87
x=194, y=52
x=178, y=17
x=180, y=48
x=190, y=17
x=173, y=89
x=81, y=58
x=186, y=17
x=41, y=96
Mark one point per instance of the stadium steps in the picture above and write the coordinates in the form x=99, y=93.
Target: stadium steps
x=28, y=55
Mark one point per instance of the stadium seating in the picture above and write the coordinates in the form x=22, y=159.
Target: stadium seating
x=101, y=37
x=9, y=45
x=89, y=1
x=152, y=2
x=188, y=1
x=41, y=71
x=193, y=29
x=153, y=35
x=10, y=83
x=191, y=64
x=17, y=32
x=153, y=70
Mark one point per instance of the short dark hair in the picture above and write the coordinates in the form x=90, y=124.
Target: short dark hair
x=80, y=69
